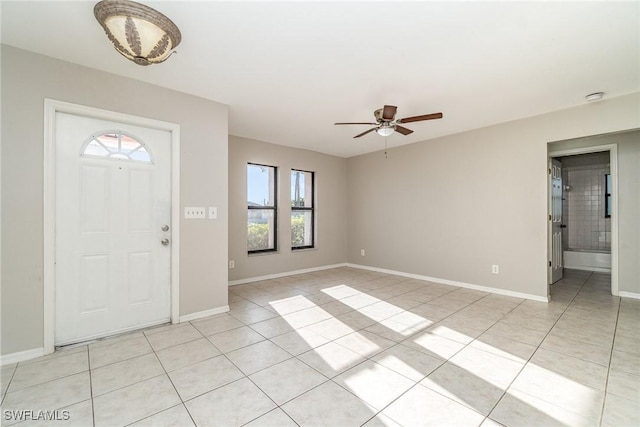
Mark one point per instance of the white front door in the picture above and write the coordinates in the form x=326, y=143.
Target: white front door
x=113, y=227
x=556, y=221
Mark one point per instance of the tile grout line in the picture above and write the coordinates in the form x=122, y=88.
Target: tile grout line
x=446, y=361
x=361, y=292
x=39, y=383
x=468, y=345
x=613, y=343
x=538, y=347
x=366, y=358
x=169, y=376
x=93, y=409
x=515, y=376
x=153, y=350
x=270, y=398
x=252, y=382
x=146, y=379
x=230, y=361
x=13, y=374
x=240, y=370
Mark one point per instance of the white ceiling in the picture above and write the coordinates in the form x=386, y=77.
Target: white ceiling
x=288, y=71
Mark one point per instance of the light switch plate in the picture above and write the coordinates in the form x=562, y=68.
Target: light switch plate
x=194, y=213
x=213, y=213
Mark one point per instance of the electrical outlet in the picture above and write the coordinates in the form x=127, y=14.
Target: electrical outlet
x=232, y=264
x=495, y=269
x=361, y=252
x=213, y=213
x=191, y=213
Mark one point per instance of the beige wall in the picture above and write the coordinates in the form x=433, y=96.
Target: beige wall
x=451, y=207
x=330, y=208
x=27, y=79
x=628, y=201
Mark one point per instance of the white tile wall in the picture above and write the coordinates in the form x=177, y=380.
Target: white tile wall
x=587, y=228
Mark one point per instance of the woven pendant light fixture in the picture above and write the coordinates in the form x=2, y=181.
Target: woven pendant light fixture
x=138, y=32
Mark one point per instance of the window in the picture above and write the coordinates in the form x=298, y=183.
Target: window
x=262, y=209
x=302, y=209
x=607, y=196
x=116, y=145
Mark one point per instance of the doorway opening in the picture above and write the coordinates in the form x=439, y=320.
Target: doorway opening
x=583, y=211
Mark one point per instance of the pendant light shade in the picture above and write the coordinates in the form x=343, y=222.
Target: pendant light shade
x=138, y=32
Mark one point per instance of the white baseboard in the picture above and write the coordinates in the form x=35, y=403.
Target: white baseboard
x=205, y=313
x=20, y=356
x=454, y=283
x=285, y=274
x=628, y=295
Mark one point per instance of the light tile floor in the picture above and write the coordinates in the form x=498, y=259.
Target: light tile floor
x=348, y=347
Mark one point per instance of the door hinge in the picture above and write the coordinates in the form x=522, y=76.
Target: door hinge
x=549, y=263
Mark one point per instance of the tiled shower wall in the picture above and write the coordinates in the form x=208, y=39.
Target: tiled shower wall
x=583, y=208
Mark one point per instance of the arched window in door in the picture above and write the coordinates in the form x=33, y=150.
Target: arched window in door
x=116, y=145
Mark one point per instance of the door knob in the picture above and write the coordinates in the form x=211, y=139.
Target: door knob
x=164, y=241
x=165, y=227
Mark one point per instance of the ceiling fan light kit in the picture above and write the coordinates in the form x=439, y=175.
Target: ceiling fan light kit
x=385, y=123
x=139, y=33
x=385, y=130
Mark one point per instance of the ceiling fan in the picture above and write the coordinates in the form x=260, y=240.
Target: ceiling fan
x=385, y=124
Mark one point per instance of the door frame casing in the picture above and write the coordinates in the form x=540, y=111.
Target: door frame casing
x=613, y=166
x=51, y=107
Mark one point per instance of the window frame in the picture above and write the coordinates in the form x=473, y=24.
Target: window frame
x=274, y=207
x=304, y=209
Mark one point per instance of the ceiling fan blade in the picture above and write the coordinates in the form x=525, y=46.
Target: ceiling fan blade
x=420, y=118
x=364, y=133
x=389, y=112
x=355, y=123
x=403, y=130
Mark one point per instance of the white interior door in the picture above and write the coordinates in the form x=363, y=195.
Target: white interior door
x=113, y=228
x=556, y=220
